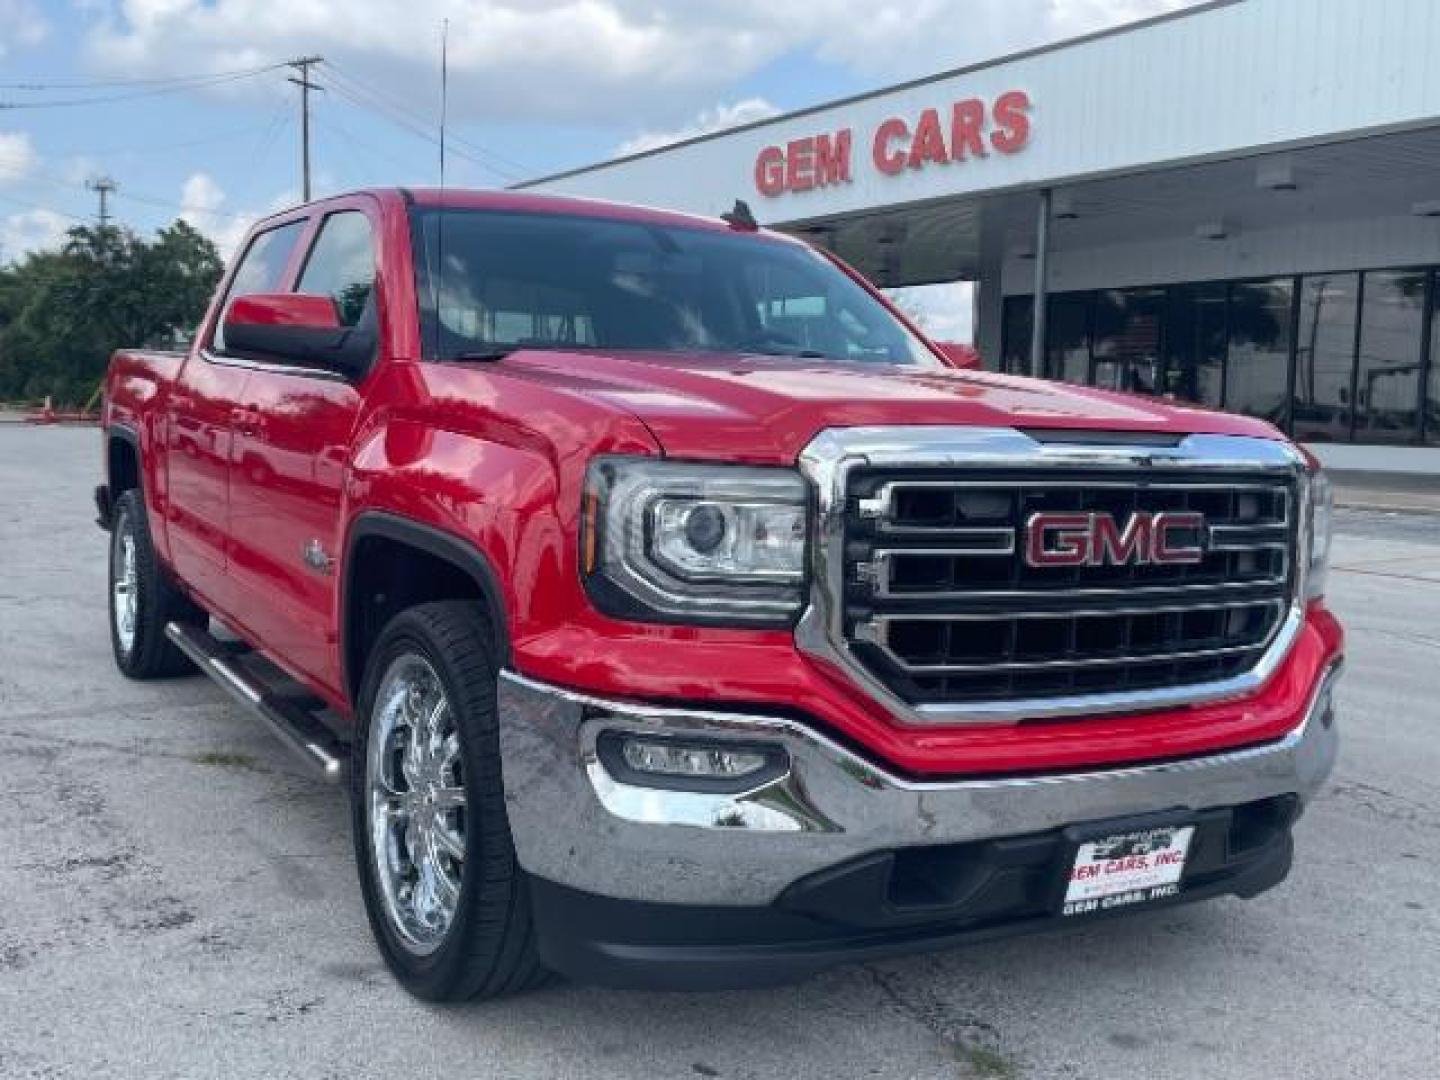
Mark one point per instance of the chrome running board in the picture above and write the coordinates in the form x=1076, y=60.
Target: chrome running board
x=288, y=722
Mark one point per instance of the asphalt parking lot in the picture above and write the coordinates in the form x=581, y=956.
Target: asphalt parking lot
x=177, y=901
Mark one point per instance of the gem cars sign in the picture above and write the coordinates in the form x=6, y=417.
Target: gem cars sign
x=966, y=131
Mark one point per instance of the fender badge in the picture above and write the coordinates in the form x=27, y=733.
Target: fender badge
x=315, y=558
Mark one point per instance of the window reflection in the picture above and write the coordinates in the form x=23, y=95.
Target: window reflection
x=1389, y=365
x=1017, y=330
x=1324, y=357
x=1067, y=338
x=1127, y=339
x=1432, y=393
x=1257, y=362
x=1195, y=343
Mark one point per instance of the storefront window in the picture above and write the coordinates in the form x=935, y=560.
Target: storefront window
x=1067, y=335
x=1387, y=381
x=1258, y=359
x=1432, y=393
x=1324, y=357
x=1195, y=343
x=1016, y=335
x=1127, y=326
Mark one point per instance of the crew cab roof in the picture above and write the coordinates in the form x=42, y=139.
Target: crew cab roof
x=521, y=202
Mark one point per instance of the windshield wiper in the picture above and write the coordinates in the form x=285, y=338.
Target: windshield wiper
x=484, y=355
x=799, y=354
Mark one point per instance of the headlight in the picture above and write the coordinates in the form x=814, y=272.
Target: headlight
x=1321, y=505
x=673, y=542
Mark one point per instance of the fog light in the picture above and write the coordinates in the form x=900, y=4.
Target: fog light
x=659, y=761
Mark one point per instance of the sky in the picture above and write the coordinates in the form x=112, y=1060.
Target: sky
x=185, y=103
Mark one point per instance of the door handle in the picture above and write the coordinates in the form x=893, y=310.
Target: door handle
x=247, y=422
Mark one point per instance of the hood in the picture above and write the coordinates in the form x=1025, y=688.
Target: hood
x=741, y=407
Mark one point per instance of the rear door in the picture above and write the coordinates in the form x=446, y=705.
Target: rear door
x=292, y=451
x=201, y=423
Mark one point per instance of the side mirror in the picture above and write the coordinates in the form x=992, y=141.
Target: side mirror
x=958, y=355
x=299, y=329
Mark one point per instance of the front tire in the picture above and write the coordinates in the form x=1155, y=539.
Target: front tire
x=446, y=899
x=142, y=599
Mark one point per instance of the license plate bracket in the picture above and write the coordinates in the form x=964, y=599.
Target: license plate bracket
x=1125, y=864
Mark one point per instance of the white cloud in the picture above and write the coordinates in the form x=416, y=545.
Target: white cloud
x=583, y=61
x=21, y=24
x=31, y=230
x=717, y=119
x=17, y=156
x=945, y=312
x=202, y=203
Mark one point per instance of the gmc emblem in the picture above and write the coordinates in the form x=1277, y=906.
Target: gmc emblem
x=1084, y=539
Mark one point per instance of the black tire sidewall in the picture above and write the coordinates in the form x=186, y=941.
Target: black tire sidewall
x=436, y=975
x=130, y=518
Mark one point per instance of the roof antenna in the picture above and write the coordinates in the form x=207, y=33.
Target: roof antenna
x=740, y=217
x=435, y=289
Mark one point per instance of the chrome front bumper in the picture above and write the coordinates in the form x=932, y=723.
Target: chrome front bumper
x=576, y=825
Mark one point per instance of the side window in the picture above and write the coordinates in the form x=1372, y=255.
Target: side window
x=261, y=269
x=342, y=264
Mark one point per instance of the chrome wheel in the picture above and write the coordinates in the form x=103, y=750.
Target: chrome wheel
x=124, y=584
x=416, y=792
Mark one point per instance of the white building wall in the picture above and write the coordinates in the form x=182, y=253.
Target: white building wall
x=1228, y=79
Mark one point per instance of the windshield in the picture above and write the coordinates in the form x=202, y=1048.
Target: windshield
x=525, y=280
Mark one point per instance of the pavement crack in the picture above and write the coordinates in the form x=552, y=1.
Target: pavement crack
x=973, y=1042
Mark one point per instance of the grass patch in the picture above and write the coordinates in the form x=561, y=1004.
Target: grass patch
x=987, y=1063
x=224, y=759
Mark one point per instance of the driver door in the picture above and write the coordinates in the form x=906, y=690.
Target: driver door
x=292, y=447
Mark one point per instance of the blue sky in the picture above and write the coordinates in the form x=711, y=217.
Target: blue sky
x=99, y=87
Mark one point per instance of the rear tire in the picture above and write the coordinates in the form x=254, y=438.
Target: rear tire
x=446, y=899
x=142, y=598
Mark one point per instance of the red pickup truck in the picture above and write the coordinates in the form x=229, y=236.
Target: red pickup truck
x=679, y=616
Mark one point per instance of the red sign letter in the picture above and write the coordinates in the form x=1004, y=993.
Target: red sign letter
x=967, y=121
x=800, y=164
x=1010, y=110
x=832, y=159
x=929, y=144
x=889, y=161
x=770, y=171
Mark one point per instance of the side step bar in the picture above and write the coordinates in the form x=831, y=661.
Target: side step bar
x=289, y=723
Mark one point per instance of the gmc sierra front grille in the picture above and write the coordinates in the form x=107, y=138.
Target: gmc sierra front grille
x=942, y=605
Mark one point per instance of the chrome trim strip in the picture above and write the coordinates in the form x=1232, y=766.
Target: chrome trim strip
x=225, y=360
x=830, y=457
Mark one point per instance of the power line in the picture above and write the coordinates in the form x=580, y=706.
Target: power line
x=416, y=119
x=417, y=130
x=37, y=206
x=110, y=99
x=61, y=83
x=403, y=116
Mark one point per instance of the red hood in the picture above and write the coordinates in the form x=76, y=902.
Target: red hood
x=744, y=407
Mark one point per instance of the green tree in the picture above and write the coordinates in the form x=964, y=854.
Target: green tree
x=62, y=313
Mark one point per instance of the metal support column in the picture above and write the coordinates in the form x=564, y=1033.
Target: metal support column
x=1042, y=252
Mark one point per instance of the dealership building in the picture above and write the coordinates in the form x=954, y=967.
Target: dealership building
x=1237, y=204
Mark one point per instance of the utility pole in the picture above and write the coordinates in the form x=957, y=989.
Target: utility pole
x=103, y=186
x=303, y=65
